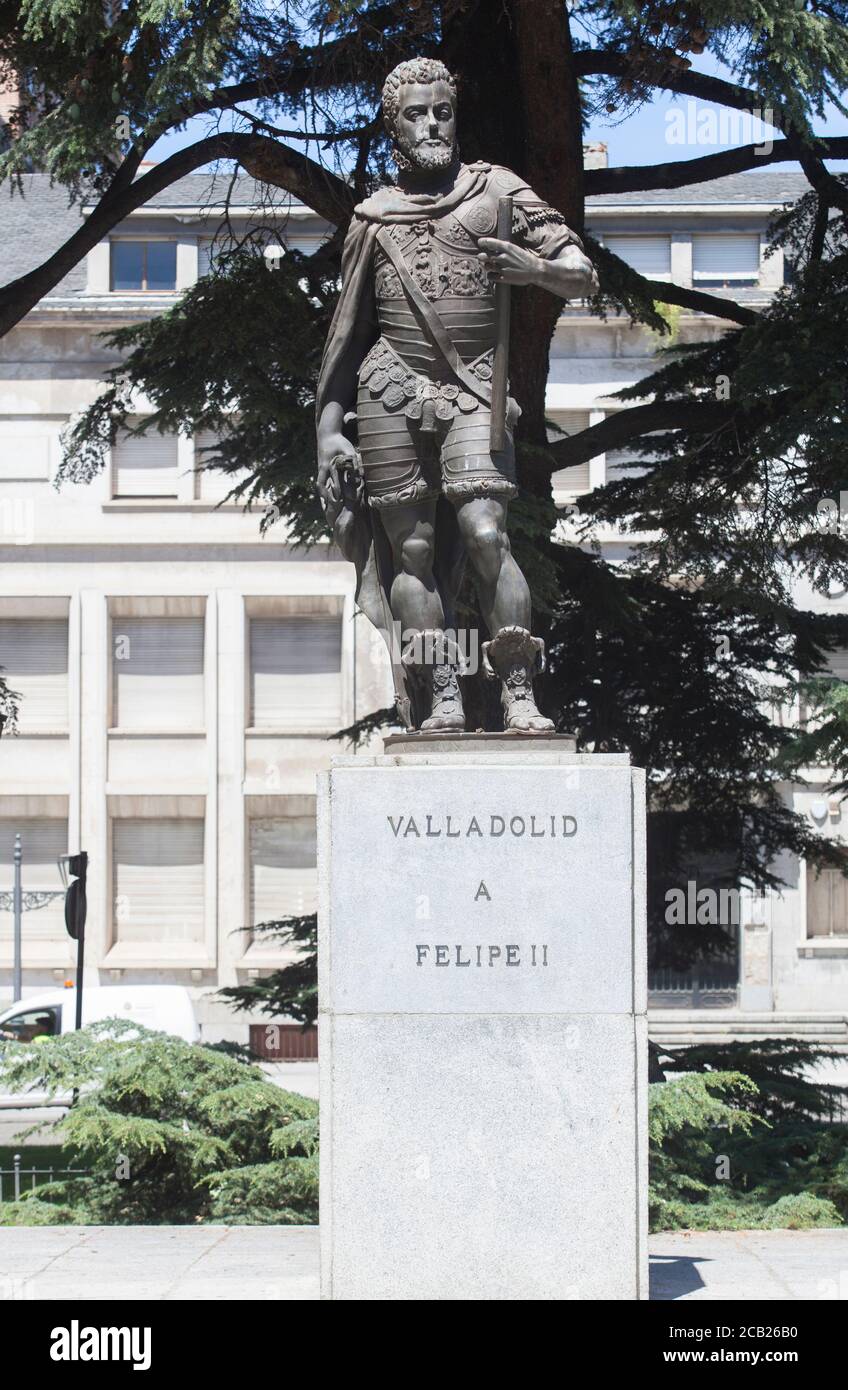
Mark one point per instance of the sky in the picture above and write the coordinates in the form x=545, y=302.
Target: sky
x=650, y=135
x=670, y=127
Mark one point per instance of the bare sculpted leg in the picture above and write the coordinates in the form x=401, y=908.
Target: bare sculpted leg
x=416, y=604
x=411, y=530
x=504, y=596
x=502, y=590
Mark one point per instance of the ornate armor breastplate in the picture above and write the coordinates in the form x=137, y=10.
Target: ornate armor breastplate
x=442, y=260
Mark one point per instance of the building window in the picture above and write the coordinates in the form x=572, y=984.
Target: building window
x=143, y=265
x=157, y=880
x=650, y=255
x=42, y=842
x=144, y=465
x=827, y=902
x=283, y=873
x=212, y=484
x=296, y=672
x=626, y=462
x=569, y=482
x=810, y=715
x=157, y=673
x=34, y=662
x=726, y=259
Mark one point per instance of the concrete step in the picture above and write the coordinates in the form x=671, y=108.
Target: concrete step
x=690, y=1027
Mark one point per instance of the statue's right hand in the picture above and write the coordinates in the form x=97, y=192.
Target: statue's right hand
x=328, y=481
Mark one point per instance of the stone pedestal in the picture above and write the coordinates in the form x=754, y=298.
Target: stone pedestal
x=482, y=1025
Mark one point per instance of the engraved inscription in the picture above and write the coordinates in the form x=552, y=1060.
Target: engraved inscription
x=512, y=955
x=495, y=827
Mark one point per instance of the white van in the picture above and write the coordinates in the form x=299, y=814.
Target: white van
x=162, y=1008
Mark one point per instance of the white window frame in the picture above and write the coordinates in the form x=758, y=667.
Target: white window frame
x=809, y=945
x=144, y=239
x=283, y=806
x=324, y=605
x=152, y=953
x=57, y=609
x=640, y=236
x=153, y=499
x=55, y=952
x=595, y=467
x=135, y=607
x=719, y=277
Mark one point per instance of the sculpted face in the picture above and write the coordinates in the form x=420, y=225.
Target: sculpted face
x=426, y=124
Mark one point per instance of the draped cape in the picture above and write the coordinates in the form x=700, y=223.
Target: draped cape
x=360, y=539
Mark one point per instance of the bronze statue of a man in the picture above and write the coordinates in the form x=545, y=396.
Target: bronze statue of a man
x=408, y=370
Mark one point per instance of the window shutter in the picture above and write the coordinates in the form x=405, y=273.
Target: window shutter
x=574, y=480
x=34, y=662
x=623, y=462
x=42, y=841
x=283, y=873
x=157, y=880
x=157, y=666
x=145, y=466
x=650, y=255
x=295, y=672
x=731, y=255
x=827, y=902
x=212, y=484
x=307, y=242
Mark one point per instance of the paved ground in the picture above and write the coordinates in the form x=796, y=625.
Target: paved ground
x=750, y=1265
x=281, y=1262
x=159, y=1262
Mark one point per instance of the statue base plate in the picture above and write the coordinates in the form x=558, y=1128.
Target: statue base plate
x=437, y=741
x=482, y=1017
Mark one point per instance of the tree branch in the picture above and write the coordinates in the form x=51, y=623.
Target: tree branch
x=624, y=426
x=665, y=292
x=822, y=180
x=321, y=67
x=678, y=173
x=601, y=62
x=266, y=160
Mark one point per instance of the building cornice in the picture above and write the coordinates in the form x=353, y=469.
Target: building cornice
x=666, y=209
x=201, y=213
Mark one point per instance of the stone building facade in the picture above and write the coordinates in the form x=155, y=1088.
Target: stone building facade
x=183, y=676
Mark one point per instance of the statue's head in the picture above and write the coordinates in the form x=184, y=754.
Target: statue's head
x=419, y=109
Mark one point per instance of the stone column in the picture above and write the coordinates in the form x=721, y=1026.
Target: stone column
x=483, y=1029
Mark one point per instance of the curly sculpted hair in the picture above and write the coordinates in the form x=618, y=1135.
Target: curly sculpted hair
x=414, y=70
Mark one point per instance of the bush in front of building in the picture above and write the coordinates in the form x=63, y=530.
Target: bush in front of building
x=744, y=1138
x=292, y=990
x=167, y=1132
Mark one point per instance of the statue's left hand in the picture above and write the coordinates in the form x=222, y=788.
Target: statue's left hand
x=509, y=264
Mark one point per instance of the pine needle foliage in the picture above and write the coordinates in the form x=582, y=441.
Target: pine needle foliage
x=169, y=1132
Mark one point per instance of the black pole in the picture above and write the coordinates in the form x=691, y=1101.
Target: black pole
x=80, y=961
x=75, y=915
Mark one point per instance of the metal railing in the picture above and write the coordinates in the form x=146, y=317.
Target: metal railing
x=714, y=986
x=18, y=1173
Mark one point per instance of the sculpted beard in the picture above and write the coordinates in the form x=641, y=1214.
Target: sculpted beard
x=430, y=153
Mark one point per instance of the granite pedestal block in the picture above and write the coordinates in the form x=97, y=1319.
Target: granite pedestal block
x=482, y=1026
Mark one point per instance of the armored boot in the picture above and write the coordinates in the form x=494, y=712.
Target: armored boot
x=434, y=662
x=514, y=656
